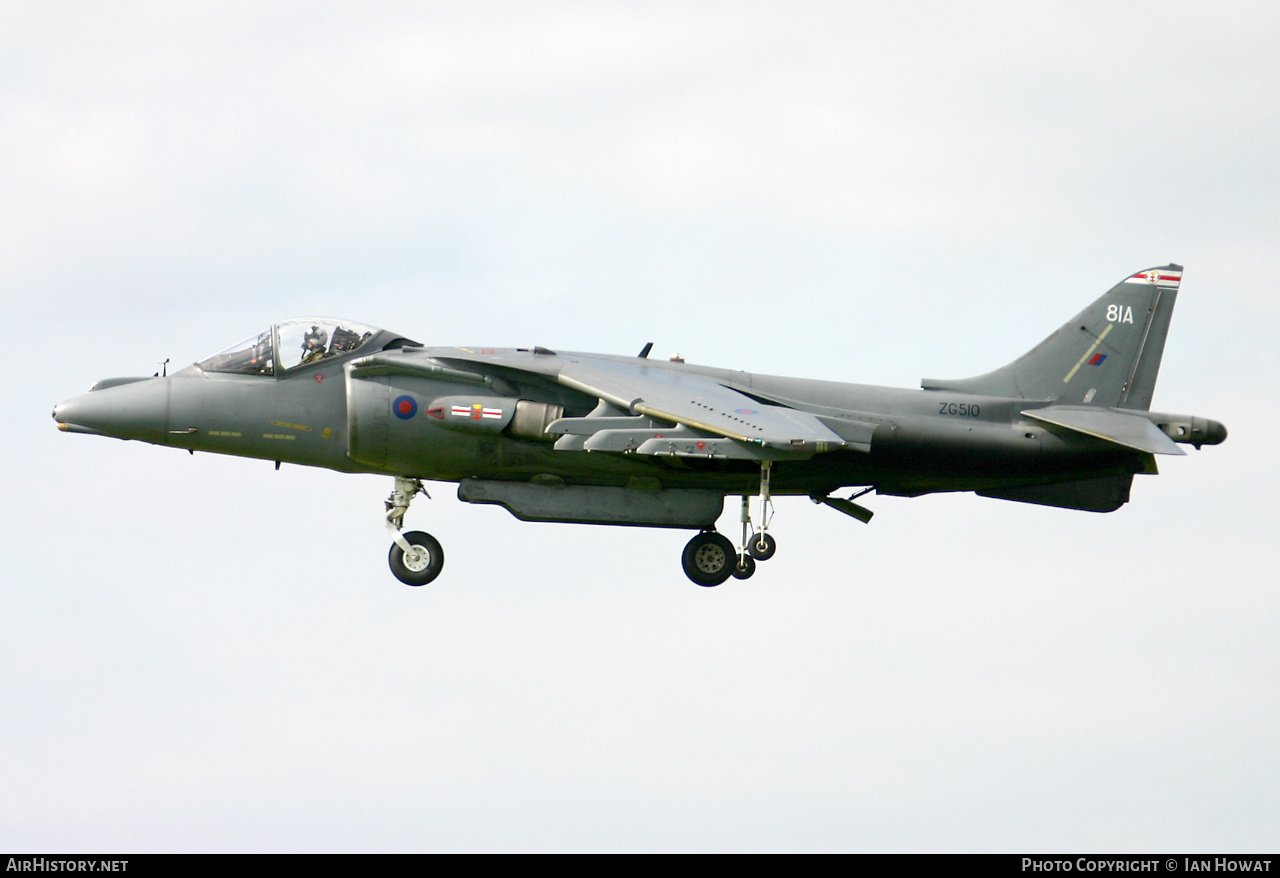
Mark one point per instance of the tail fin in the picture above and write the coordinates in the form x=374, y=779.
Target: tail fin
x=1108, y=355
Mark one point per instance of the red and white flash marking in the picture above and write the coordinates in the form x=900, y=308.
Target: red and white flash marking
x=1165, y=277
x=475, y=412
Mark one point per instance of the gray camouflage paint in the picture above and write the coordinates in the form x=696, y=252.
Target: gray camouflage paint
x=1064, y=425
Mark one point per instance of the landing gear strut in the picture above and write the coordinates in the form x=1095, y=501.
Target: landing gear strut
x=758, y=543
x=416, y=557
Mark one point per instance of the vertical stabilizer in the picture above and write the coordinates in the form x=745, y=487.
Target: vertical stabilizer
x=1107, y=355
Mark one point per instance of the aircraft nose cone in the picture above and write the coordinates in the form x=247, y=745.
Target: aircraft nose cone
x=132, y=411
x=69, y=415
x=60, y=415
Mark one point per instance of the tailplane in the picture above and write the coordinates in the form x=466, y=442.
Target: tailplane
x=1107, y=355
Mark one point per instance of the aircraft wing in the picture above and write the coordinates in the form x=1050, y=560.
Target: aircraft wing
x=700, y=402
x=703, y=407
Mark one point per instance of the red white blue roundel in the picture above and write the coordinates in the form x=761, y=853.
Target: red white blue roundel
x=405, y=407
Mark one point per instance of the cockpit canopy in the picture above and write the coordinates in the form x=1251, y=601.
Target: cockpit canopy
x=299, y=342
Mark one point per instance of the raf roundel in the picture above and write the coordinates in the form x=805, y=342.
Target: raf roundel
x=405, y=407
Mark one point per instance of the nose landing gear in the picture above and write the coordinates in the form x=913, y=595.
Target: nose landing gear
x=416, y=558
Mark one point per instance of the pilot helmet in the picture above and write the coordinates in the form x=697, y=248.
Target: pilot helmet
x=315, y=340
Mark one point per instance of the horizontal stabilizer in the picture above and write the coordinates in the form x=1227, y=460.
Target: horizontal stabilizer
x=1130, y=430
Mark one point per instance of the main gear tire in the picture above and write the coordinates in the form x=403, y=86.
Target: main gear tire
x=709, y=559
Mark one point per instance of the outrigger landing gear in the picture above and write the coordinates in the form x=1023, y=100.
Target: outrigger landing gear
x=416, y=557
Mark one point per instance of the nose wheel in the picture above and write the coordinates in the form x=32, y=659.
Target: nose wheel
x=418, y=564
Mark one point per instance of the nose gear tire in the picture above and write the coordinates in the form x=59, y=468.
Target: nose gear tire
x=421, y=565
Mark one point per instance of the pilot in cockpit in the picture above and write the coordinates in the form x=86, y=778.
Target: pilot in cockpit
x=314, y=344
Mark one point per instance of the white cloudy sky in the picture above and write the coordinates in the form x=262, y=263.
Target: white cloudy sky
x=198, y=653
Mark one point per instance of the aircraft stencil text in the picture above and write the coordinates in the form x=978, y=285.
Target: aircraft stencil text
x=1119, y=314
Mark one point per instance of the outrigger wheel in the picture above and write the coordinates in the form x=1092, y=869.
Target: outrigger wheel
x=709, y=559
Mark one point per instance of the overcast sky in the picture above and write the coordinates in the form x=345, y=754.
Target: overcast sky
x=202, y=654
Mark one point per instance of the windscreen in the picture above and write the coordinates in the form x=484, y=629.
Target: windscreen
x=253, y=356
x=290, y=345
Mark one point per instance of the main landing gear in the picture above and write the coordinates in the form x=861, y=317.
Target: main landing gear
x=710, y=559
x=416, y=557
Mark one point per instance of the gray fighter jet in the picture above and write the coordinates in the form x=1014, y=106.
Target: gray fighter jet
x=599, y=439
